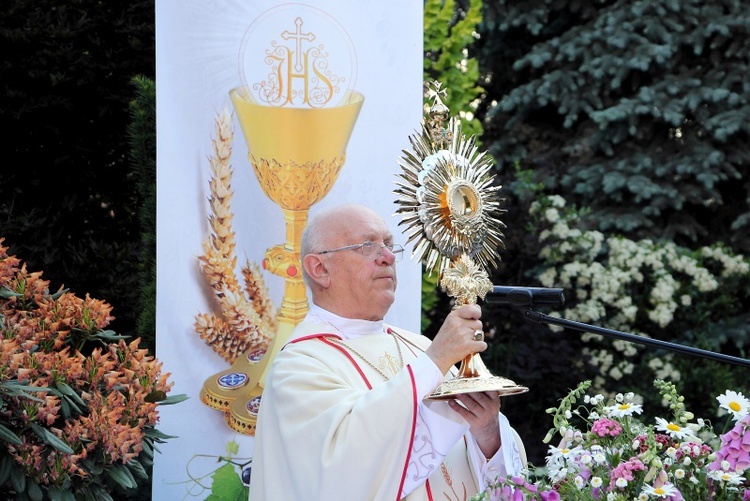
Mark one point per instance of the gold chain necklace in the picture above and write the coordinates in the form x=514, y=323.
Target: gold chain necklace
x=376, y=369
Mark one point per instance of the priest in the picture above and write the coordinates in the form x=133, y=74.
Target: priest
x=343, y=415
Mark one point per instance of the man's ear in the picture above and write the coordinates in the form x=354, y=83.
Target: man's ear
x=317, y=270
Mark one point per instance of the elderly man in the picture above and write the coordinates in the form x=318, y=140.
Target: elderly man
x=343, y=416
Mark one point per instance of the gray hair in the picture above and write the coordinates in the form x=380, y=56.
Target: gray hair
x=311, y=242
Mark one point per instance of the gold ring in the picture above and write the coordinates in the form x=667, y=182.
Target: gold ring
x=478, y=335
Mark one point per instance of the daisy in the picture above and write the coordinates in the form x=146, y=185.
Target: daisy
x=663, y=491
x=673, y=430
x=624, y=409
x=734, y=402
x=728, y=477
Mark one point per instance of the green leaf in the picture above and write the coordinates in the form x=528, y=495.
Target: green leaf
x=6, y=293
x=232, y=448
x=49, y=438
x=17, y=478
x=121, y=475
x=155, y=396
x=227, y=485
x=137, y=469
x=156, y=434
x=109, y=335
x=8, y=435
x=173, y=399
x=6, y=462
x=72, y=395
x=34, y=491
x=59, y=293
x=58, y=494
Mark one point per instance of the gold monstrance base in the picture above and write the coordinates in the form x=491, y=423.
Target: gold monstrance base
x=474, y=377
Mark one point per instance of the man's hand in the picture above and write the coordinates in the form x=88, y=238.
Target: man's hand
x=455, y=339
x=481, y=411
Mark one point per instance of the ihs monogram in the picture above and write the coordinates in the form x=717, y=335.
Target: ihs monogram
x=389, y=363
x=299, y=76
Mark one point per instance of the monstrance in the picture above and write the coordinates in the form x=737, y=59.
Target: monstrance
x=450, y=207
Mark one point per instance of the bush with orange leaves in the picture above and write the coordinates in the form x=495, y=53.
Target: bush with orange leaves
x=78, y=405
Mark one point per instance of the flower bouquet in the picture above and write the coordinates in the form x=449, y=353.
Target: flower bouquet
x=78, y=405
x=607, y=453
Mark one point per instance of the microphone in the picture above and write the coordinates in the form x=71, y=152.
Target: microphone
x=525, y=297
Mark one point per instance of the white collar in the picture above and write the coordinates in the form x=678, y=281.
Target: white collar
x=347, y=328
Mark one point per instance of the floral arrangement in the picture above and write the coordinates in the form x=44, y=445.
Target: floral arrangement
x=608, y=453
x=78, y=405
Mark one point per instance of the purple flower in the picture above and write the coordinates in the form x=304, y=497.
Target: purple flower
x=735, y=447
x=551, y=495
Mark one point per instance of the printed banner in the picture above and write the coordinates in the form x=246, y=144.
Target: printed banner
x=267, y=112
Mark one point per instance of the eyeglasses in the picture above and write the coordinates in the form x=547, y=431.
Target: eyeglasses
x=368, y=248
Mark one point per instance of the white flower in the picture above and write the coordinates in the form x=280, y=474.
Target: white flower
x=673, y=430
x=664, y=491
x=596, y=482
x=551, y=215
x=621, y=483
x=624, y=409
x=728, y=477
x=734, y=402
x=580, y=482
x=679, y=473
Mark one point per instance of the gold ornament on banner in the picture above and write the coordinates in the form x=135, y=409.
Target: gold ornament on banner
x=450, y=209
x=296, y=136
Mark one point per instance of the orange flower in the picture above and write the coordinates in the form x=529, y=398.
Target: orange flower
x=103, y=394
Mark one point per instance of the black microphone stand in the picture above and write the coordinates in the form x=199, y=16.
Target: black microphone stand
x=535, y=316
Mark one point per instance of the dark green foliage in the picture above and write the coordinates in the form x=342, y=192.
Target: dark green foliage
x=68, y=205
x=142, y=132
x=449, y=29
x=639, y=110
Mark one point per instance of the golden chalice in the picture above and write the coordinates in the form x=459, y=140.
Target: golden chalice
x=297, y=154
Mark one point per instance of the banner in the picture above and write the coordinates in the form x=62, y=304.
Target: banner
x=334, y=89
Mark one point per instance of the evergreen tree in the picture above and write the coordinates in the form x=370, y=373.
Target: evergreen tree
x=68, y=203
x=639, y=110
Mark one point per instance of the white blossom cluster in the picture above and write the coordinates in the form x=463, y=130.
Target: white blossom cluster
x=608, y=274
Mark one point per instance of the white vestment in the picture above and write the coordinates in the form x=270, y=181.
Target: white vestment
x=342, y=416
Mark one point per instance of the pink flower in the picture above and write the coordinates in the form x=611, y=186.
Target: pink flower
x=606, y=428
x=550, y=495
x=735, y=447
x=625, y=470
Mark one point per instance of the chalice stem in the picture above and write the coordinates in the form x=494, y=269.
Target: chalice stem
x=294, y=304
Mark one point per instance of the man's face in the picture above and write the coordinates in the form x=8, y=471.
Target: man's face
x=362, y=286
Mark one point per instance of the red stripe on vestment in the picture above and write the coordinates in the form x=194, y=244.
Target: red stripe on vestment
x=413, y=430
x=312, y=336
x=351, y=359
